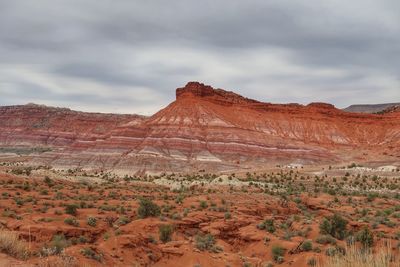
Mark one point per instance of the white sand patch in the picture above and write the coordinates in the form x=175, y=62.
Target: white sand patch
x=223, y=180
x=389, y=168
x=294, y=166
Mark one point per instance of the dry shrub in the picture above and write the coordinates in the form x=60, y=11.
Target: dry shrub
x=62, y=260
x=356, y=257
x=10, y=244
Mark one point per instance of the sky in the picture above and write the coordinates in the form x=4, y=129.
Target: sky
x=129, y=56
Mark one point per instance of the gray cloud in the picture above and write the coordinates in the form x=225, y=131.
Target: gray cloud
x=129, y=56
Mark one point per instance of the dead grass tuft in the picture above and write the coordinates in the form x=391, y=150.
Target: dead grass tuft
x=356, y=257
x=12, y=245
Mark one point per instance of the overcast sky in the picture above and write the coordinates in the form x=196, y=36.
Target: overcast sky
x=129, y=56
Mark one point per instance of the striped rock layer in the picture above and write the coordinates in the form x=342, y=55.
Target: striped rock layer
x=203, y=129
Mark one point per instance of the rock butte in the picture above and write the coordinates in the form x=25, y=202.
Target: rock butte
x=204, y=128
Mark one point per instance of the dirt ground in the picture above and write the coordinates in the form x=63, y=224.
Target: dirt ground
x=269, y=218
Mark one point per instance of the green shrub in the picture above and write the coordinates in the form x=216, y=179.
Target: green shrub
x=365, y=237
x=82, y=239
x=179, y=199
x=165, y=232
x=123, y=220
x=58, y=243
x=334, y=226
x=71, y=221
x=71, y=209
x=106, y=236
x=331, y=251
x=91, y=254
x=148, y=209
x=267, y=225
x=277, y=253
x=48, y=181
x=44, y=192
x=307, y=245
x=325, y=239
x=203, y=204
x=92, y=221
x=338, y=250
x=397, y=235
x=206, y=242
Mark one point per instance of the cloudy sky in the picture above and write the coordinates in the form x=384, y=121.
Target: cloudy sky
x=129, y=56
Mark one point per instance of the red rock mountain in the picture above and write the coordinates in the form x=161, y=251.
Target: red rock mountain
x=205, y=128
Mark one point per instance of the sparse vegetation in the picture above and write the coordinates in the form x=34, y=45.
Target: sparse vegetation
x=206, y=242
x=91, y=254
x=292, y=201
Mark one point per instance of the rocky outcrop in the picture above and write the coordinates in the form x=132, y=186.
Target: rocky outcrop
x=205, y=128
x=196, y=89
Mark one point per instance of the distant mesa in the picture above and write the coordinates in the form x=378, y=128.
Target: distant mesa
x=370, y=108
x=390, y=109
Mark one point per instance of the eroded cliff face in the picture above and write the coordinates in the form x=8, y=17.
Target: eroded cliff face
x=205, y=128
